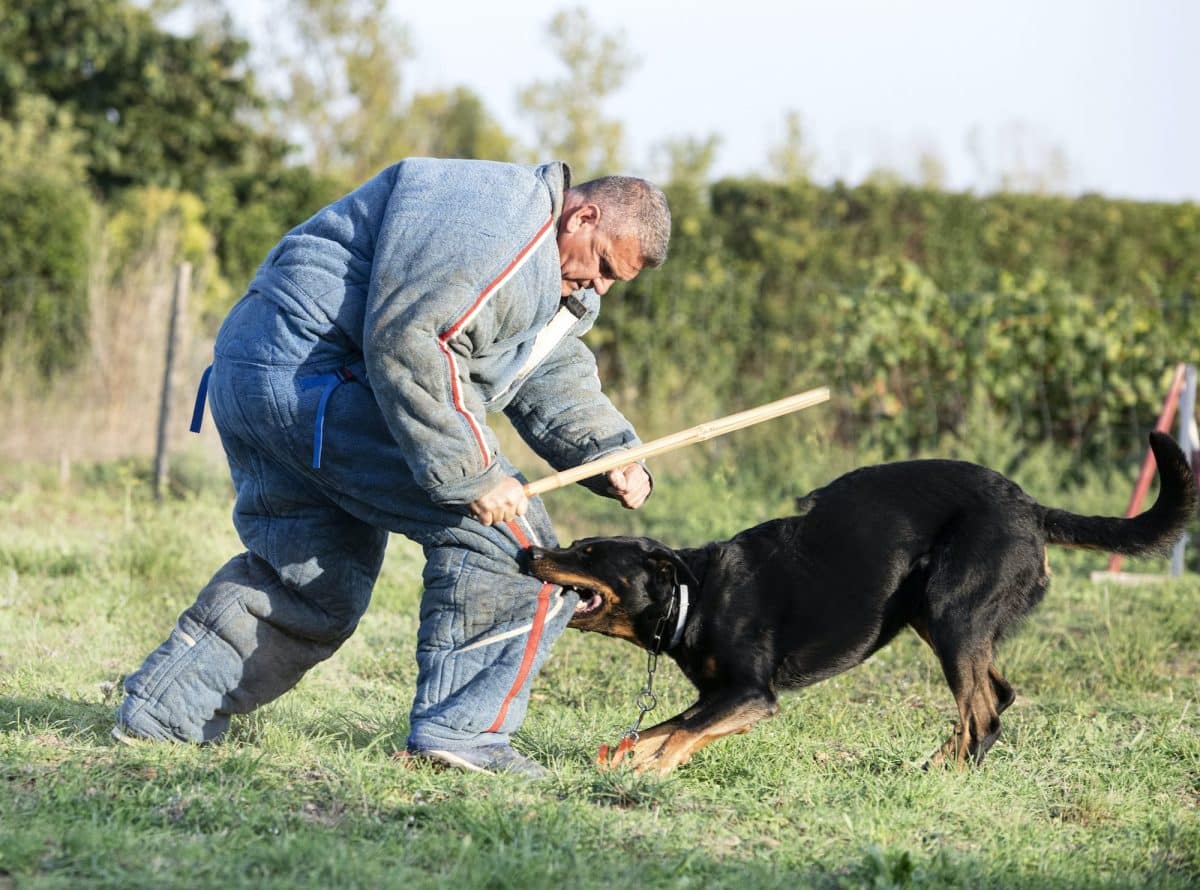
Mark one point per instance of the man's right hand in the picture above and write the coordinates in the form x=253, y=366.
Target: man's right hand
x=503, y=503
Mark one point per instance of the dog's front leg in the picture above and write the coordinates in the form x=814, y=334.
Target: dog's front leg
x=648, y=740
x=673, y=743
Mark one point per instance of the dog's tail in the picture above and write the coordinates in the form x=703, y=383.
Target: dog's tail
x=1153, y=532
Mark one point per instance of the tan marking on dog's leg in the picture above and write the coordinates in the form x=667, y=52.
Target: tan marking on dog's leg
x=938, y=756
x=975, y=693
x=985, y=708
x=1002, y=688
x=977, y=707
x=983, y=715
x=649, y=741
x=983, y=711
x=961, y=677
x=947, y=752
x=643, y=749
x=684, y=742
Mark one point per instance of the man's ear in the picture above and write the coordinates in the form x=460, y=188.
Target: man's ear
x=583, y=215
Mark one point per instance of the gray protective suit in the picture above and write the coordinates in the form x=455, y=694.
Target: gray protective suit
x=350, y=387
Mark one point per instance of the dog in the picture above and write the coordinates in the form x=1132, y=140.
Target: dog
x=952, y=549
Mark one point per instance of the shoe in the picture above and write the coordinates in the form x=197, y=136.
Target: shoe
x=126, y=736
x=484, y=759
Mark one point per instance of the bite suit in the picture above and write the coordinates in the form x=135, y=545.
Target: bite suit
x=350, y=387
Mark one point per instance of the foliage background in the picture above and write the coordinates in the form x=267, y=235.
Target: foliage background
x=129, y=147
x=1031, y=332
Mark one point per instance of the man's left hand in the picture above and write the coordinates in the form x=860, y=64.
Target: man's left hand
x=630, y=485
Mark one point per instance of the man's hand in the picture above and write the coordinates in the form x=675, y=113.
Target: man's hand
x=630, y=485
x=503, y=503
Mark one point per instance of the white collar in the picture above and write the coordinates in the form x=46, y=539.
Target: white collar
x=681, y=618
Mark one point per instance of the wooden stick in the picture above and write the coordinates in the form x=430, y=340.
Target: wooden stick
x=691, y=436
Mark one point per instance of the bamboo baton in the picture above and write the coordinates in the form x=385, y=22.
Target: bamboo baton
x=683, y=438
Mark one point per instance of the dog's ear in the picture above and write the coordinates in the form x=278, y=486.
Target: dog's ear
x=673, y=570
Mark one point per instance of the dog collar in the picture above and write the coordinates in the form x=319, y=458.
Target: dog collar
x=681, y=617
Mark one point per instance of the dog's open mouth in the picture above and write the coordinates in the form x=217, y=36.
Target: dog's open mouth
x=590, y=602
x=591, y=591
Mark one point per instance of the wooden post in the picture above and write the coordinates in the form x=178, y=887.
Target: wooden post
x=1187, y=441
x=183, y=282
x=1143, y=483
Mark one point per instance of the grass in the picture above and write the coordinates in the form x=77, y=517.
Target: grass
x=1095, y=781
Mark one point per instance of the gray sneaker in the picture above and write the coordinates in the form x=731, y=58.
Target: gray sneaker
x=484, y=759
x=123, y=735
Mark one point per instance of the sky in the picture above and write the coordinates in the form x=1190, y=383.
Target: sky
x=1112, y=86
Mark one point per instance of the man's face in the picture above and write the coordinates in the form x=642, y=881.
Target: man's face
x=589, y=257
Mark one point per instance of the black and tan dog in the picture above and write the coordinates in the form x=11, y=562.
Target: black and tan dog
x=952, y=549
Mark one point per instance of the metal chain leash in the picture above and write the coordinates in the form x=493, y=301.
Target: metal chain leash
x=647, y=701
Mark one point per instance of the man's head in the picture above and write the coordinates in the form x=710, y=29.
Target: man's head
x=610, y=229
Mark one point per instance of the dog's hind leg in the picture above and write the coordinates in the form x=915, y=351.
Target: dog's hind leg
x=983, y=575
x=980, y=694
x=1003, y=689
x=1005, y=695
x=979, y=702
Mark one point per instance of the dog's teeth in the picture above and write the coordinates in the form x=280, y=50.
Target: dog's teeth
x=588, y=602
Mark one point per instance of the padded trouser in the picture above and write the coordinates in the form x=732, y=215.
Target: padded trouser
x=315, y=541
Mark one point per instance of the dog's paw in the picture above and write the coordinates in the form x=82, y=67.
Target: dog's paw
x=610, y=758
x=644, y=756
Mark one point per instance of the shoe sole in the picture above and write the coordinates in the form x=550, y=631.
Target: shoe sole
x=438, y=757
x=119, y=735
x=448, y=758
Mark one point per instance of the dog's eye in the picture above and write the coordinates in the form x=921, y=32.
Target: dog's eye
x=587, y=551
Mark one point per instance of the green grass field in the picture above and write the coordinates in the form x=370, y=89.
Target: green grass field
x=1095, y=781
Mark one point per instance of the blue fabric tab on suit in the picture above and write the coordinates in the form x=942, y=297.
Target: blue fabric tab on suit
x=329, y=382
x=201, y=396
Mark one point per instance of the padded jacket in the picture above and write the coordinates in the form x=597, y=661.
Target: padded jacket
x=433, y=280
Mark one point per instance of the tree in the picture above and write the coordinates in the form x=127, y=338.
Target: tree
x=688, y=163
x=250, y=211
x=791, y=159
x=154, y=108
x=455, y=124
x=566, y=113
x=343, y=62
x=931, y=170
x=346, y=103
x=1016, y=157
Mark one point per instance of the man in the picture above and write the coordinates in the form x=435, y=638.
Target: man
x=349, y=387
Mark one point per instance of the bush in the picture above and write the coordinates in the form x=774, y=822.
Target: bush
x=163, y=227
x=1064, y=317
x=45, y=229
x=46, y=219
x=250, y=212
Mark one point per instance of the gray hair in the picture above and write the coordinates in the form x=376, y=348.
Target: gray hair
x=633, y=207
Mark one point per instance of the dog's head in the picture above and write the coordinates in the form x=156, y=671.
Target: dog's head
x=625, y=585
